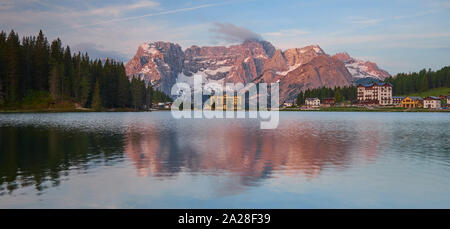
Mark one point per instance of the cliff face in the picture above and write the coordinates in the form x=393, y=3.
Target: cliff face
x=307, y=68
x=159, y=63
x=361, y=69
x=237, y=64
x=297, y=69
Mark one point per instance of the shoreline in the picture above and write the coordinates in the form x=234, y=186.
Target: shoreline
x=362, y=109
x=343, y=109
x=70, y=110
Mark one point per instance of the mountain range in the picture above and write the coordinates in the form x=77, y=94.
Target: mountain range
x=162, y=64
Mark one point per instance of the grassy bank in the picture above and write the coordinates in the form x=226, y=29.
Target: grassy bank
x=433, y=92
x=41, y=102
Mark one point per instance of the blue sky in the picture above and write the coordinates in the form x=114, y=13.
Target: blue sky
x=399, y=35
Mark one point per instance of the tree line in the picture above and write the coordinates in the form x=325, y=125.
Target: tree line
x=33, y=69
x=408, y=83
x=338, y=93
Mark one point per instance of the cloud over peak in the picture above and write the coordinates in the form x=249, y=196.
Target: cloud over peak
x=231, y=33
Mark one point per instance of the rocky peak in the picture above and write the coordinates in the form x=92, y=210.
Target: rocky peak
x=299, y=56
x=156, y=63
x=361, y=69
x=342, y=56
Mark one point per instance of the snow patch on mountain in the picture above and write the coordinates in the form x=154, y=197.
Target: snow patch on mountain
x=361, y=69
x=291, y=68
x=223, y=69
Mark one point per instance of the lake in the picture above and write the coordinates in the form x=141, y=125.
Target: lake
x=150, y=160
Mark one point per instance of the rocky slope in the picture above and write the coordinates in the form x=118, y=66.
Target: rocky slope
x=162, y=64
x=304, y=68
x=361, y=69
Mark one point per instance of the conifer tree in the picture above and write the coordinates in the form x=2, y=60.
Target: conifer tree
x=12, y=67
x=96, y=99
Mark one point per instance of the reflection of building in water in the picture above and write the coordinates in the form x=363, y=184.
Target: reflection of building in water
x=217, y=101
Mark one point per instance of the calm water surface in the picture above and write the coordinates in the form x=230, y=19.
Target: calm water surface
x=150, y=160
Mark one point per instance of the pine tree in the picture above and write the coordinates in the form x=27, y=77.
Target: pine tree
x=12, y=68
x=124, y=93
x=41, y=63
x=85, y=81
x=148, y=96
x=56, y=66
x=54, y=81
x=137, y=93
x=300, y=99
x=338, y=95
x=2, y=66
x=96, y=99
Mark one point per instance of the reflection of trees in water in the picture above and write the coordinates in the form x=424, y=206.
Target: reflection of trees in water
x=36, y=156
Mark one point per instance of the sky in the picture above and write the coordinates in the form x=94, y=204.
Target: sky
x=399, y=35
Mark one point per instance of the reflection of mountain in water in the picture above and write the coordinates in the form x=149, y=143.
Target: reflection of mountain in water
x=248, y=153
x=235, y=149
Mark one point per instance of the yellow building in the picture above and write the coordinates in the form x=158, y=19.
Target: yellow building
x=216, y=101
x=412, y=102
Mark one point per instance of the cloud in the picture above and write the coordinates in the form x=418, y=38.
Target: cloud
x=117, y=9
x=150, y=15
x=6, y=5
x=232, y=33
x=287, y=32
x=364, y=21
x=97, y=51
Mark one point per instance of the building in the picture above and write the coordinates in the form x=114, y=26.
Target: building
x=375, y=94
x=397, y=100
x=328, y=102
x=288, y=103
x=412, y=102
x=161, y=105
x=432, y=102
x=312, y=102
x=168, y=105
x=221, y=101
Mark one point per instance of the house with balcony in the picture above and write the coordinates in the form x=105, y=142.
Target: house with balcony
x=432, y=102
x=312, y=102
x=412, y=102
x=375, y=94
x=397, y=100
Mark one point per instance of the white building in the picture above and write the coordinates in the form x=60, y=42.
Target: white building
x=432, y=102
x=312, y=102
x=375, y=93
x=288, y=103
